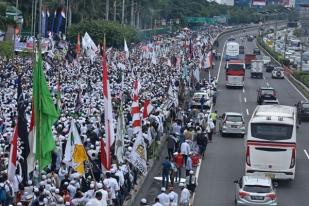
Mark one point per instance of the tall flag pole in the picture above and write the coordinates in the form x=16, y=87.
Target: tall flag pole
x=108, y=113
x=31, y=139
x=59, y=106
x=45, y=115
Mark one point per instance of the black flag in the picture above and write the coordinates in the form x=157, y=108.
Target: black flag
x=22, y=129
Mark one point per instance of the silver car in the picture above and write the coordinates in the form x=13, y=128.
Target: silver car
x=232, y=123
x=255, y=191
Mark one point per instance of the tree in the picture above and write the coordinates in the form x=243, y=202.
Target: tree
x=6, y=49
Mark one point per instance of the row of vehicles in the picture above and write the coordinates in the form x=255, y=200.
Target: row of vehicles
x=270, y=135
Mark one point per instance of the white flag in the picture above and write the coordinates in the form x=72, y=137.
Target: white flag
x=138, y=156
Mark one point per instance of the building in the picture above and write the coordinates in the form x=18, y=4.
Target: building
x=303, y=13
x=225, y=2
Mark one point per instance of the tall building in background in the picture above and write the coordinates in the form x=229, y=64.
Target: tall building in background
x=303, y=13
x=259, y=3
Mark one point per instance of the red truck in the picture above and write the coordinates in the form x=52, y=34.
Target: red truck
x=248, y=59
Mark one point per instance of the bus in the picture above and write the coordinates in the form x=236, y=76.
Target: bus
x=271, y=142
x=232, y=50
x=234, y=73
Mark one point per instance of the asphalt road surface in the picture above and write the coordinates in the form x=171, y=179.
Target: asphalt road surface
x=225, y=160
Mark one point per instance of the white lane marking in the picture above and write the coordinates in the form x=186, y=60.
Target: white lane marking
x=245, y=99
x=247, y=110
x=243, y=90
x=306, y=153
x=264, y=77
x=222, y=54
x=267, y=84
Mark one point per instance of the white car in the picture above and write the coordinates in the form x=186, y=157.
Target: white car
x=277, y=73
x=255, y=191
x=232, y=123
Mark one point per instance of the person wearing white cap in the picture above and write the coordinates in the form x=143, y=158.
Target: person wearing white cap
x=184, y=196
x=96, y=200
x=163, y=197
x=191, y=181
x=143, y=202
x=157, y=202
x=104, y=194
x=112, y=185
x=174, y=195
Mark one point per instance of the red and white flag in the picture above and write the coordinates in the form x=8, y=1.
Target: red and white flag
x=147, y=108
x=13, y=156
x=108, y=113
x=135, y=112
x=31, y=137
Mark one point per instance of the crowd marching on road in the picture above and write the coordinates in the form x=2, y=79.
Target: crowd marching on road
x=163, y=74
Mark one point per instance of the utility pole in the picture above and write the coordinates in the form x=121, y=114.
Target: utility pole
x=35, y=17
x=132, y=13
x=107, y=10
x=115, y=9
x=275, y=34
x=40, y=17
x=122, y=13
x=285, y=42
x=32, y=16
x=16, y=4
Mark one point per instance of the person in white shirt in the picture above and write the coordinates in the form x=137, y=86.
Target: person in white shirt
x=112, y=186
x=185, y=150
x=174, y=196
x=164, y=198
x=104, y=194
x=184, y=196
x=157, y=202
x=95, y=201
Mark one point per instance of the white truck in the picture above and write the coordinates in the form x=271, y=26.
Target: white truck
x=257, y=69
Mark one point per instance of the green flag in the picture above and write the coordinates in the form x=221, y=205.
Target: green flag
x=45, y=115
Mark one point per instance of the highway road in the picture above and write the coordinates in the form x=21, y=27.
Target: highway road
x=225, y=160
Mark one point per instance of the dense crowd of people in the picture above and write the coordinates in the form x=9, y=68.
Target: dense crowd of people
x=165, y=68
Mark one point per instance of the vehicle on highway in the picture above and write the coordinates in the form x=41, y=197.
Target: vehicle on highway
x=255, y=191
x=241, y=49
x=232, y=123
x=232, y=50
x=196, y=100
x=266, y=59
x=303, y=110
x=256, y=51
x=269, y=67
x=267, y=95
x=234, y=73
x=277, y=73
x=271, y=142
x=248, y=60
x=257, y=69
x=250, y=38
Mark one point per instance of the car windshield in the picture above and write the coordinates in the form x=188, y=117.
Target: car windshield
x=267, y=91
x=234, y=118
x=271, y=131
x=257, y=188
x=306, y=105
x=235, y=67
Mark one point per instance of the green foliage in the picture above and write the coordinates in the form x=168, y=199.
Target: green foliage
x=5, y=22
x=303, y=77
x=115, y=33
x=6, y=49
